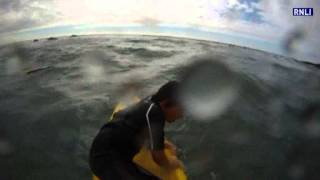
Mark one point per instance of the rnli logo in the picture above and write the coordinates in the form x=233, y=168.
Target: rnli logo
x=302, y=11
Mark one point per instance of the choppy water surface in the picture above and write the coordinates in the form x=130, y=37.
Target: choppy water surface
x=55, y=95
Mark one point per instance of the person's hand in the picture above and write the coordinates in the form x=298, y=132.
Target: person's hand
x=175, y=163
x=170, y=146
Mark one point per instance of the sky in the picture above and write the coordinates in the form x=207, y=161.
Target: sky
x=261, y=24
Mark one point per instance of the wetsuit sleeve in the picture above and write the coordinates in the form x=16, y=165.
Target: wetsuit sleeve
x=157, y=123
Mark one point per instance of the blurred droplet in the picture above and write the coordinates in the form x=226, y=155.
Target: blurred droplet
x=296, y=172
x=208, y=88
x=5, y=148
x=312, y=129
x=213, y=175
x=310, y=121
x=13, y=66
x=92, y=67
x=200, y=159
x=292, y=40
x=93, y=72
x=239, y=138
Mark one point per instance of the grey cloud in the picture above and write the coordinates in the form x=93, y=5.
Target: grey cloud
x=20, y=14
x=7, y=5
x=149, y=22
x=7, y=26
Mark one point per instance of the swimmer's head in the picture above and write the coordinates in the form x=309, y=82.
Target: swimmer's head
x=168, y=99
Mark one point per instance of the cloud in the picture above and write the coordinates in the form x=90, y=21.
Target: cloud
x=7, y=5
x=261, y=19
x=279, y=16
x=244, y=10
x=149, y=22
x=22, y=14
x=272, y=21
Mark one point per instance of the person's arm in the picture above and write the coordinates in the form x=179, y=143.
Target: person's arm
x=161, y=159
x=157, y=142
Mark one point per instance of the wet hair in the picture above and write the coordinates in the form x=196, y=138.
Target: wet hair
x=168, y=91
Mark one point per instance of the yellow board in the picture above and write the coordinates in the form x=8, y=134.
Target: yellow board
x=144, y=158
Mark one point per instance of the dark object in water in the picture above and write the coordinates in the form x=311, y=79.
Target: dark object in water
x=37, y=69
x=52, y=39
x=73, y=36
x=35, y=40
x=312, y=64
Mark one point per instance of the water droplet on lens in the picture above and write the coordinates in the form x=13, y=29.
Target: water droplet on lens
x=5, y=148
x=208, y=88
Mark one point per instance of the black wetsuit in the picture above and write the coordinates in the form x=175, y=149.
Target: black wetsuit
x=119, y=140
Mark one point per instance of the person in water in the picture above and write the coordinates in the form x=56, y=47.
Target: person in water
x=118, y=141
